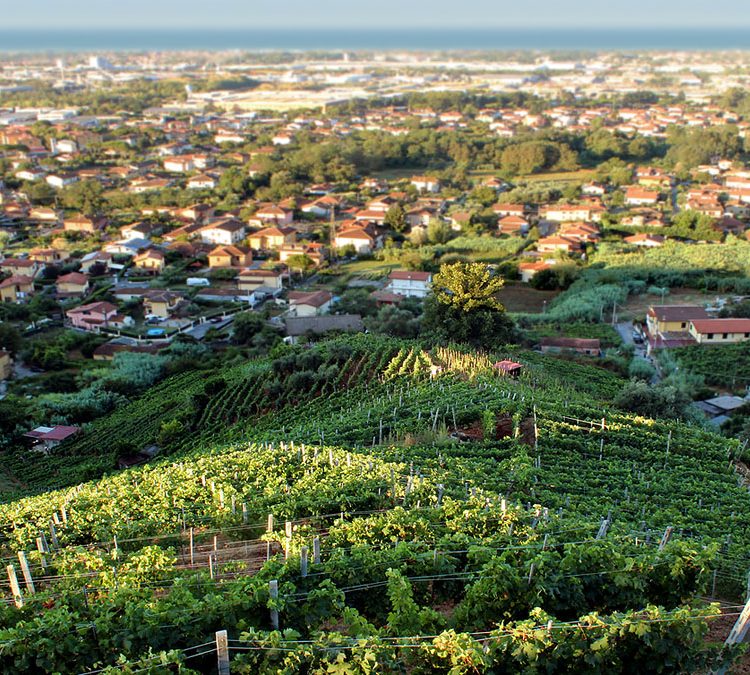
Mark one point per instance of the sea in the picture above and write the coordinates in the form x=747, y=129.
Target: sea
x=316, y=39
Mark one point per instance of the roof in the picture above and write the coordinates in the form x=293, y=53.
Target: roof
x=19, y=279
x=323, y=324
x=73, y=278
x=103, y=307
x=507, y=366
x=677, y=312
x=721, y=325
x=56, y=433
x=726, y=403
x=230, y=250
x=406, y=275
x=314, y=299
x=260, y=273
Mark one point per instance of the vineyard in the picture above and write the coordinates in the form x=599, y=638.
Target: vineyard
x=372, y=506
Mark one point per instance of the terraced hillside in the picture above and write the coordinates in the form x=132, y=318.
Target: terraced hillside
x=369, y=506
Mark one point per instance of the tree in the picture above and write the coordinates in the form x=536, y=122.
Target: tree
x=438, y=231
x=395, y=218
x=245, y=326
x=300, y=262
x=86, y=197
x=464, y=307
x=10, y=338
x=356, y=301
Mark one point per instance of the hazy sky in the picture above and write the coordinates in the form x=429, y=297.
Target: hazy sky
x=53, y=14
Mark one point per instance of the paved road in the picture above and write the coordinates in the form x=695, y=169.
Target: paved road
x=199, y=332
x=625, y=329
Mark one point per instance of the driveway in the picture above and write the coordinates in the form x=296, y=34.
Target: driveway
x=625, y=329
x=199, y=332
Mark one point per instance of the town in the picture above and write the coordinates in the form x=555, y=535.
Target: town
x=462, y=267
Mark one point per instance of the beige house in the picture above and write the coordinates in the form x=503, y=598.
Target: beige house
x=229, y=256
x=250, y=280
x=270, y=238
x=719, y=331
x=672, y=318
x=73, y=284
x=81, y=223
x=150, y=261
x=161, y=303
x=18, y=288
x=309, y=304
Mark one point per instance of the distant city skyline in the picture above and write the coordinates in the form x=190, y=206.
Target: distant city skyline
x=394, y=14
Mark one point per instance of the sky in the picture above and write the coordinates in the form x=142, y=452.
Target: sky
x=363, y=14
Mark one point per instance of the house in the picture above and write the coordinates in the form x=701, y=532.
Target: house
x=18, y=288
x=503, y=210
x=719, y=408
x=71, y=285
x=224, y=231
x=179, y=163
x=647, y=240
x=303, y=303
x=99, y=259
x=44, y=214
x=96, y=315
x=590, y=347
x=672, y=318
x=719, y=331
x=150, y=261
x=48, y=256
x=161, y=304
x=230, y=256
x=409, y=284
x=323, y=207
x=197, y=213
x=513, y=225
x=6, y=365
x=139, y=230
x=201, y=182
x=81, y=223
x=251, y=280
x=556, y=243
x=638, y=196
x=21, y=267
x=271, y=238
x=426, y=183
x=315, y=251
x=272, y=213
x=594, y=188
x=527, y=270
x=61, y=180
x=363, y=238
x=569, y=212
x=297, y=327
x=46, y=438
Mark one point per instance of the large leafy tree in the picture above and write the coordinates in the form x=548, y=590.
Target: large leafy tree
x=464, y=307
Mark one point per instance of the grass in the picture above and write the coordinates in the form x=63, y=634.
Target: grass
x=637, y=305
x=368, y=267
x=559, y=176
x=522, y=298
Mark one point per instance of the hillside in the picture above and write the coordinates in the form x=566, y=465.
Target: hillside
x=451, y=519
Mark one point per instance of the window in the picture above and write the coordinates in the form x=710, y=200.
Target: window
x=682, y=325
x=710, y=336
x=724, y=336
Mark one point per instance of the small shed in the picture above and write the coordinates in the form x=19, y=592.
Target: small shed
x=508, y=368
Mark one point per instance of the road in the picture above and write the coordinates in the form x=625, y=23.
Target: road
x=199, y=332
x=625, y=329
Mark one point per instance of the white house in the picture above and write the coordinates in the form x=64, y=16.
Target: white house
x=426, y=183
x=224, y=231
x=409, y=284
